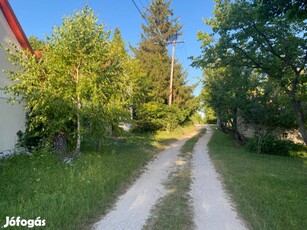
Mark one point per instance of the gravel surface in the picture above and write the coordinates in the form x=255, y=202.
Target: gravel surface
x=133, y=208
x=212, y=207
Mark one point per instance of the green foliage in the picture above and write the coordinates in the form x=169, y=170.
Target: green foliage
x=150, y=104
x=36, y=43
x=269, y=191
x=271, y=145
x=151, y=117
x=78, y=85
x=258, y=63
x=72, y=196
x=69, y=196
x=226, y=91
x=293, y=10
x=154, y=116
x=197, y=119
x=27, y=140
x=210, y=117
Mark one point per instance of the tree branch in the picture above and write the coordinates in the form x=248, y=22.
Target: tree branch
x=267, y=41
x=304, y=63
x=256, y=63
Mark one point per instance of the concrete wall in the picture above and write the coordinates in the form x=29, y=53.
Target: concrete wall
x=12, y=117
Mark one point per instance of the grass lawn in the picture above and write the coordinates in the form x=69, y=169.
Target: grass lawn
x=73, y=196
x=270, y=191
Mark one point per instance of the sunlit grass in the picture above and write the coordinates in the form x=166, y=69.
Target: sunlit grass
x=73, y=196
x=270, y=191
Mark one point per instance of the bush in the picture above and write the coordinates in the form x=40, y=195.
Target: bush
x=154, y=116
x=144, y=127
x=271, y=145
x=28, y=140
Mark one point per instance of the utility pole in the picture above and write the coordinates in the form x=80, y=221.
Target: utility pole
x=174, y=42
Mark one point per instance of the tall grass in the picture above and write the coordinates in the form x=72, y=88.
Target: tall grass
x=270, y=191
x=73, y=196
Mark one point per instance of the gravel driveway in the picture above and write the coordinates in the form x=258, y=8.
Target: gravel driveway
x=133, y=208
x=212, y=207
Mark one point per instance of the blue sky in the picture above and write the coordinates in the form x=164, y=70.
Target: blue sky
x=37, y=17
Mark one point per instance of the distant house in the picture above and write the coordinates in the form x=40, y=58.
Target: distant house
x=12, y=117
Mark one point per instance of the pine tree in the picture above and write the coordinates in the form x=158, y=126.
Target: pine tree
x=152, y=52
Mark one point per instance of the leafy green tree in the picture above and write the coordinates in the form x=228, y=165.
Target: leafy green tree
x=197, y=119
x=76, y=86
x=152, y=53
x=275, y=45
x=267, y=109
x=227, y=90
x=292, y=9
x=242, y=96
x=36, y=43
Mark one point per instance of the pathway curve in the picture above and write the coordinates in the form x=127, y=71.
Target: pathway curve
x=212, y=207
x=133, y=208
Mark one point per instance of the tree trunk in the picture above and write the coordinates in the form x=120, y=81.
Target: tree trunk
x=235, y=119
x=78, y=145
x=296, y=106
x=218, y=121
x=261, y=133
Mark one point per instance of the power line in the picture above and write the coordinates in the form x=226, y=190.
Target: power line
x=147, y=22
x=141, y=3
x=142, y=15
x=173, y=42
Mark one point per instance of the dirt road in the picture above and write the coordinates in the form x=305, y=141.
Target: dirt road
x=212, y=208
x=133, y=208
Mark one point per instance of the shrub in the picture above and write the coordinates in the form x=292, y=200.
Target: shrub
x=273, y=146
x=270, y=145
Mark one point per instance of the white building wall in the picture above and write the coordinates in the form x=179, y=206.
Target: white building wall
x=12, y=117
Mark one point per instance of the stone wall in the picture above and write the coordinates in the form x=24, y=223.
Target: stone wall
x=248, y=131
